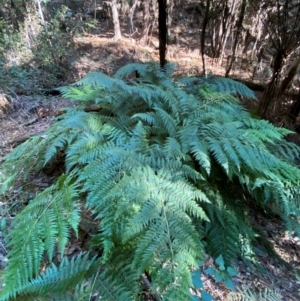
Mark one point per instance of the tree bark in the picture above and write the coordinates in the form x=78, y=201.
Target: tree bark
x=295, y=110
x=289, y=77
x=146, y=19
x=268, y=101
x=283, y=28
x=202, y=40
x=170, y=6
x=162, y=28
x=238, y=31
x=220, y=25
x=226, y=31
x=131, y=13
x=115, y=15
x=265, y=103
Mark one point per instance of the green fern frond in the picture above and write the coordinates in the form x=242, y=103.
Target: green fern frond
x=251, y=295
x=127, y=70
x=227, y=85
x=59, y=279
x=94, y=79
x=223, y=235
x=84, y=291
x=45, y=223
x=21, y=161
x=220, y=84
x=164, y=167
x=82, y=94
x=119, y=280
x=167, y=121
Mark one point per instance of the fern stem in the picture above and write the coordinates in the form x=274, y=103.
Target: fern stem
x=149, y=287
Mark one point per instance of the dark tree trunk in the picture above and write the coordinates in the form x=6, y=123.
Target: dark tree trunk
x=162, y=27
x=268, y=101
x=289, y=77
x=238, y=32
x=17, y=13
x=265, y=103
x=283, y=27
x=295, y=110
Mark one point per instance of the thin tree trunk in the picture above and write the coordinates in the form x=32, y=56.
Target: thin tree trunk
x=162, y=28
x=215, y=25
x=43, y=19
x=238, y=31
x=131, y=13
x=115, y=15
x=41, y=12
x=170, y=6
x=227, y=31
x=202, y=41
x=258, y=47
x=259, y=28
x=219, y=28
x=146, y=19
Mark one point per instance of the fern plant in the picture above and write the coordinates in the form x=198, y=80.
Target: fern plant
x=250, y=295
x=167, y=169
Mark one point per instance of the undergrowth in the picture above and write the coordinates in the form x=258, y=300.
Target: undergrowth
x=167, y=169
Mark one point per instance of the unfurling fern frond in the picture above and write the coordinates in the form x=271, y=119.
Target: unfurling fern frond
x=166, y=170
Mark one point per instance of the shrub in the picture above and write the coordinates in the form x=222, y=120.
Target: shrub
x=167, y=169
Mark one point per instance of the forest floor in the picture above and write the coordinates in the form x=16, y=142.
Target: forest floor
x=33, y=114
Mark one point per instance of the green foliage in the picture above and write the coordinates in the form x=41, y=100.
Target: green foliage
x=167, y=169
x=51, y=49
x=12, y=53
x=37, y=53
x=222, y=274
x=251, y=295
x=68, y=22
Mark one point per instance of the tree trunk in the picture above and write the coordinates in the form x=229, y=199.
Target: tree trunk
x=146, y=19
x=170, y=6
x=220, y=29
x=269, y=99
x=202, y=41
x=238, y=31
x=220, y=24
x=17, y=13
x=227, y=30
x=115, y=15
x=131, y=13
x=289, y=77
x=295, y=110
x=265, y=103
x=162, y=28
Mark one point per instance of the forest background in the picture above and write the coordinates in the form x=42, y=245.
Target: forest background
x=46, y=44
